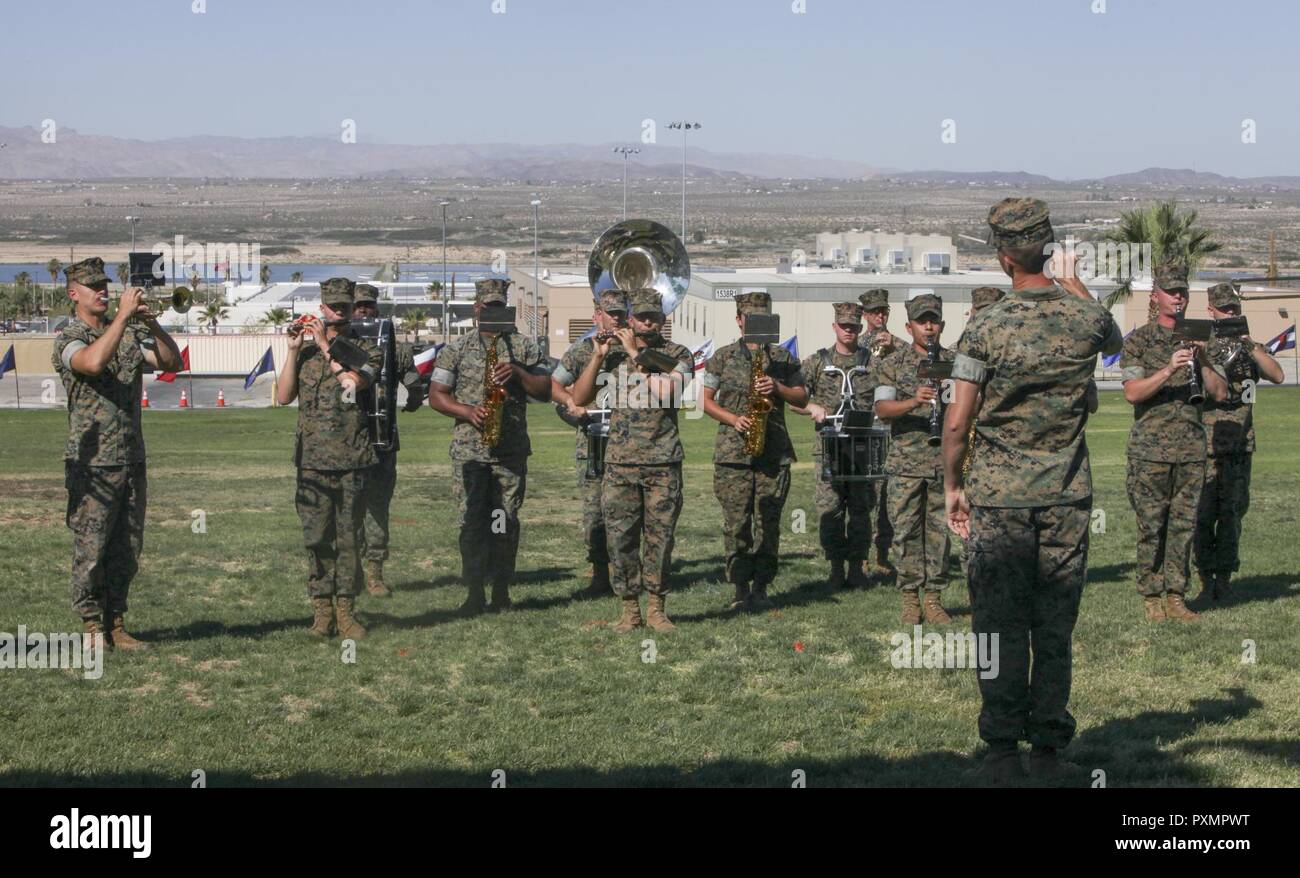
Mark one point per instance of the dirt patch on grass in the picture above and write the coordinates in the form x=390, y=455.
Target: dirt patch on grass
x=297, y=708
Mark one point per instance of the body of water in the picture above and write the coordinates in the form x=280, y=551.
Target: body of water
x=283, y=272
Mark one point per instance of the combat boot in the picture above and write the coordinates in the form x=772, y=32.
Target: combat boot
x=347, y=623
x=1001, y=765
x=1223, y=586
x=629, y=617
x=935, y=614
x=475, y=602
x=857, y=575
x=90, y=630
x=500, y=598
x=1208, y=588
x=322, y=619
x=120, y=639
x=1045, y=764
x=1153, y=608
x=375, y=580
x=911, y=614
x=1176, y=609
x=655, y=616
x=758, y=598
x=741, y=600
x=600, y=585
x=836, y=579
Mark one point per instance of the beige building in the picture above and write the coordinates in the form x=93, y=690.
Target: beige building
x=887, y=252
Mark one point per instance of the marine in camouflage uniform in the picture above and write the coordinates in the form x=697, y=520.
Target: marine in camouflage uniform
x=981, y=298
x=1021, y=374
x=1166, y=451
x=642, y=489
x=612, y=310
x=381, y=479
x=875, y=310
x=489, y=482
x=1230, y=446
x=839, y=377
x=334, y=454
x=751, y=490
x=915, y=493
x=104, y=459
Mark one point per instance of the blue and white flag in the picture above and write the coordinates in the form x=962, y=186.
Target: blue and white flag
x=1111, y=360
x=791, y=344
x=8, y=364
x=264, y=365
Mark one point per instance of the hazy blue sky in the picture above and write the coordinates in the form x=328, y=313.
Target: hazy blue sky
x=1046, y=86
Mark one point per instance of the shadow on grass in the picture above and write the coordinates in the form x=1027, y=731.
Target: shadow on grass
x=1253, y=588
x=544, y=576
x=1127, y=748
x=1111, y=573
x=202, y=629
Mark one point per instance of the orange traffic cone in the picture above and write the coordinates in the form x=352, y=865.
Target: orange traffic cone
x=185, y=402
x=221, y=398
x=144, y=399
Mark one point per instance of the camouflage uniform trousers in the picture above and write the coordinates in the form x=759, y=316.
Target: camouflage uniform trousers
x=331, y=505
x=489, y=497
x=1224, y=502
x=843, y=516
x=381, y=481
x=1027, y=570
x=593, y=516
x=106, y=507
x=641, y=506
x=884, y=528
x=752, y=498
x=916, y=507
x=1165, y=497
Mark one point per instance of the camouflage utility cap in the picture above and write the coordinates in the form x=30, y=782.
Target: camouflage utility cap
x=754, y=303
x=848, y=312
x=982, y=297
x=337, y=291
x=1223, y=296
x=926, y=303
x=873, y=299
x=1019, y=222
x=87, y=272
x=1171, y=276
x=366, y=293
x=645, y=302
x=612, y=300
x=491, y=290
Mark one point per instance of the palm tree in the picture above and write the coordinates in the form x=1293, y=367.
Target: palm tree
x=22, y=280
x=414, y=322
x=1173, y=236
x=53, y=267
x=212, y=315
x=123, y=273
x=296, y=277
x=277, y=317
x=434, y=290
x=265, y=274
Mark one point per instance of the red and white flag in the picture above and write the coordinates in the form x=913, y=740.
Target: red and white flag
x=185, y=367
x=702, y=354
x=425, y=359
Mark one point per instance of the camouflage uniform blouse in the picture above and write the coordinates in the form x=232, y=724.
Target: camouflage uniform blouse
x=727, y=373
x=1033, y=354
x=572, y=364
x=897, y=378
x=1229, y=425
x=1166, y=428
x=103, y=410
x=639, y=434
x=333, y=431
x=461, y=366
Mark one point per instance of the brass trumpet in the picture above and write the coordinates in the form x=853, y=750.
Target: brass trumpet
x=180, y=301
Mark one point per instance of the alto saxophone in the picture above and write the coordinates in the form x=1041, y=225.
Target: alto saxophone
x=494, y=397
x=759, y=406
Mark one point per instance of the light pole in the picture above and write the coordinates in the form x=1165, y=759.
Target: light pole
x=537, y=274
x=133, y=220
x=626, y=151
x=684, y=126
x=446, y=294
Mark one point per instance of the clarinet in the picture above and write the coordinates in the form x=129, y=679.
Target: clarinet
x=936, y=414
x=1195, y=393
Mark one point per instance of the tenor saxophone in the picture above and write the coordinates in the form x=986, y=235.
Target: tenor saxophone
x=759, y=406
x=494, y=397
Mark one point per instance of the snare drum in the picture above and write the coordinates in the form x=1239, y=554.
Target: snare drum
x=854, y=451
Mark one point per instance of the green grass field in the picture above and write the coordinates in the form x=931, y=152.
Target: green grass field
x=238, y=689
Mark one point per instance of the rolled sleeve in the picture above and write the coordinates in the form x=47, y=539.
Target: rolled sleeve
x=444, y=376
x=711, y=381
x=1114, y=342
x=1133, y=373
x=563, y=375
x=69, y=350
x=966, y=368
x=885, y=393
